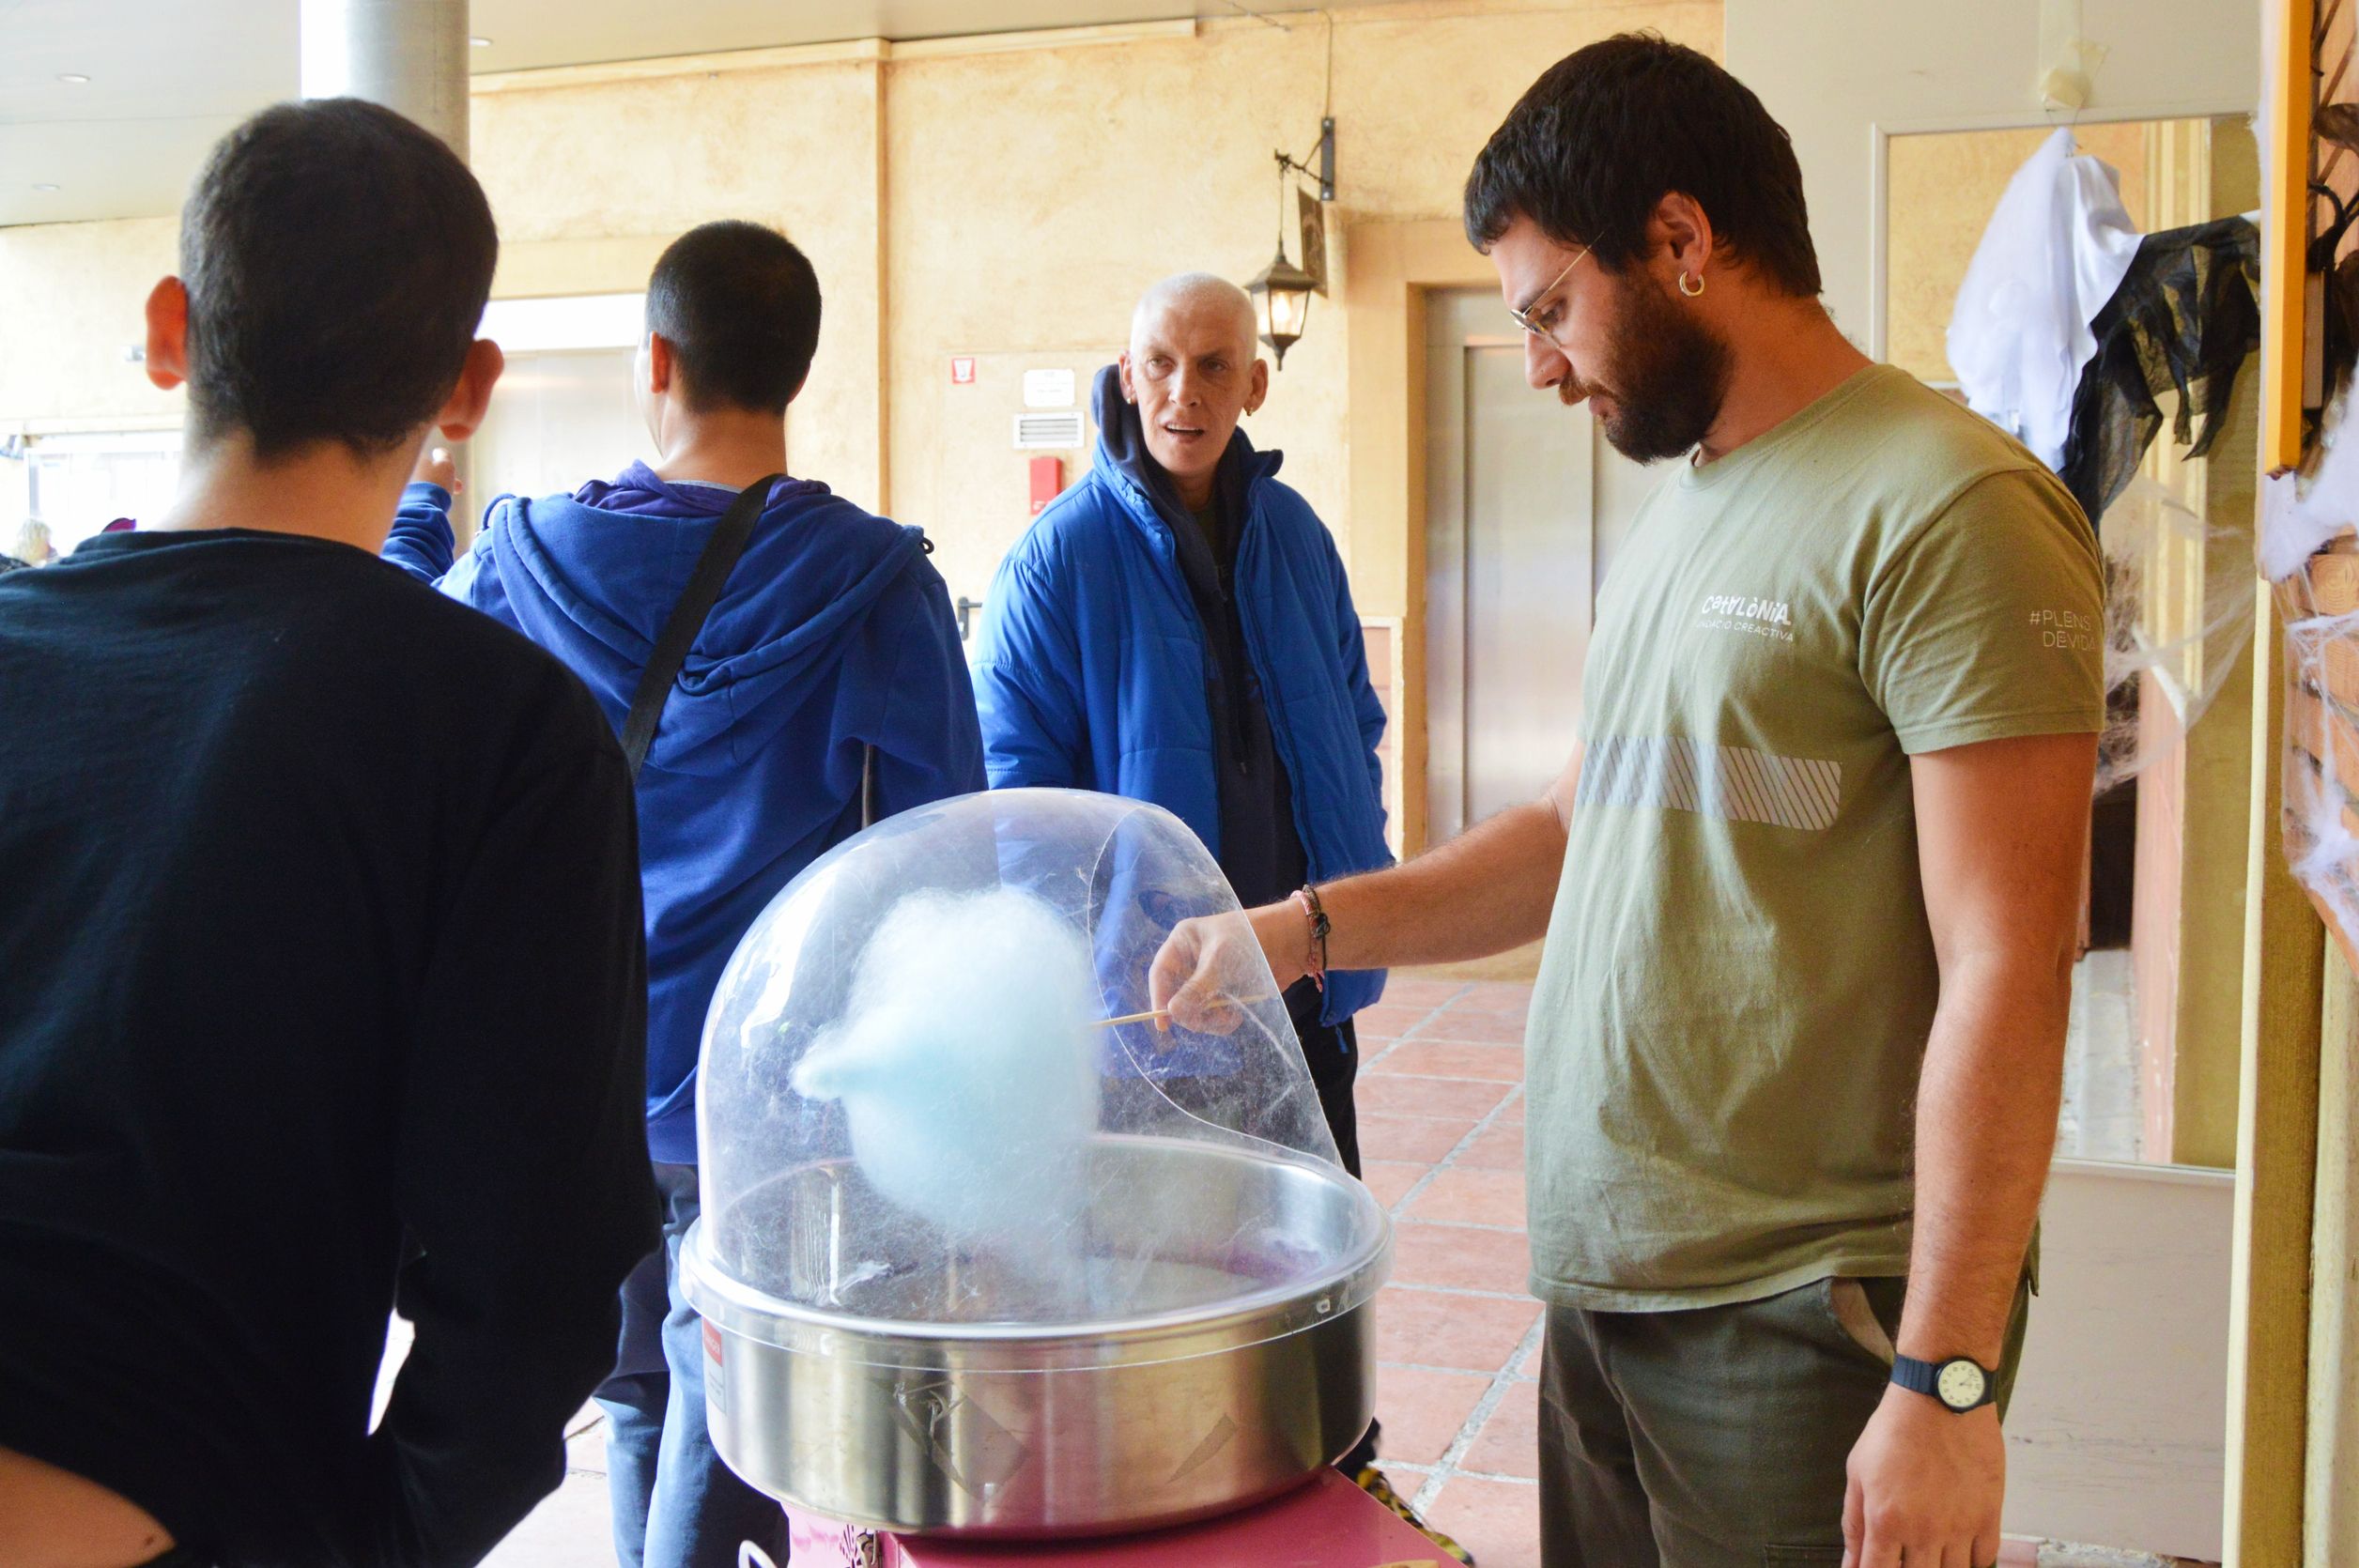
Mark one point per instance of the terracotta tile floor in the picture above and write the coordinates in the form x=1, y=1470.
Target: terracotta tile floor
x=1440, y=1097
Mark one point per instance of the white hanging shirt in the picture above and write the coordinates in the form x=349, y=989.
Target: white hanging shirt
x=2056, y=249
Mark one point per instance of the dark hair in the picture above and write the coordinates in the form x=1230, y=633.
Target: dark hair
x=337, y=258
x=739, y=304
x=1609, y=131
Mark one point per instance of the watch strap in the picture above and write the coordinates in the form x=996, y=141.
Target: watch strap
x=1926, y=1378
x=1914, y=1375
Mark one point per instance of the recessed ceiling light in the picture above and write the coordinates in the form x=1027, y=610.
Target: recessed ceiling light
x=44, y=187
x=73, y=79
x=480, y=43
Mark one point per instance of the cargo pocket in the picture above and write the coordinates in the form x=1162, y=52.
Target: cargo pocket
x=1802, y=1557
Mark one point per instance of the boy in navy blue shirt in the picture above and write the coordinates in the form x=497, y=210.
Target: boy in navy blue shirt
x=831, y=656
x=321, y=990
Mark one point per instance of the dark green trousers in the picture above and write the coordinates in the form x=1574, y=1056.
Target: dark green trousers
x=1716, y=1438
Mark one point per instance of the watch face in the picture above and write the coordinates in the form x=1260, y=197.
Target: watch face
x=1959, y=1385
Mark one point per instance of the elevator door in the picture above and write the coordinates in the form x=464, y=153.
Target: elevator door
x=560, y=417
x=1524, y=506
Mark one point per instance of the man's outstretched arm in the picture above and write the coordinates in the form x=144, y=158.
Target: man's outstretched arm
x=1487, y=890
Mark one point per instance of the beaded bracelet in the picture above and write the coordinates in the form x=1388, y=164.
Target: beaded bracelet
x=1308, y=898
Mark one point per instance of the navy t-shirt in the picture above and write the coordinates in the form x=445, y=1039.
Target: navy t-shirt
x=320, y=976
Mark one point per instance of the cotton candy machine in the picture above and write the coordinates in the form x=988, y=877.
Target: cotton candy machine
x=984, y=1253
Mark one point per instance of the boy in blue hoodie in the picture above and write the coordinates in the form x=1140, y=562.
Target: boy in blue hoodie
x=830, y=656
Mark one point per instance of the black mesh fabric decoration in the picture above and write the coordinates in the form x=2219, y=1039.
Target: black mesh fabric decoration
x=2184, y=319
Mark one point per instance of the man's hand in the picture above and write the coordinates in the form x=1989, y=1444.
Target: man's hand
x=435, y=466
x=1208, y=966
x=1926, y=1485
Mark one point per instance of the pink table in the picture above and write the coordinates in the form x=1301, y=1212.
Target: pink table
x=1329, y=1523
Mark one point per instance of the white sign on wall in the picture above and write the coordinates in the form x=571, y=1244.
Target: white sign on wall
x=1048, y=389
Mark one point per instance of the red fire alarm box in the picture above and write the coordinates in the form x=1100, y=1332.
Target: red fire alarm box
x=1048, y=481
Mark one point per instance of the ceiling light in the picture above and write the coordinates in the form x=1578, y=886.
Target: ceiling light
x=44, y=187
x=480, y=43
x=73, y=79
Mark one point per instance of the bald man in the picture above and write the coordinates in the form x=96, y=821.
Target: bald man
x=1176, y=628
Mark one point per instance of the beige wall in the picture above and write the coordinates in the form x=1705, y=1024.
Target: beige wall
x=591, y=182
x=1034, y=194
x=957, y=198
x=71, y=299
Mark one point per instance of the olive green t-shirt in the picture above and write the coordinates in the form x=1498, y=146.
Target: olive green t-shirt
x=1739, y=979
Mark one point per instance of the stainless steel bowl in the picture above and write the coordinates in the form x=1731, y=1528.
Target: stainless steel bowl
x=1221, y=1351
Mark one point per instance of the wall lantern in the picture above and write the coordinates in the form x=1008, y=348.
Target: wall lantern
x=1282, y=291
x=1282, y=303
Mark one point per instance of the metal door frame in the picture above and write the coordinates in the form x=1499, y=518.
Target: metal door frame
x=1444, y=587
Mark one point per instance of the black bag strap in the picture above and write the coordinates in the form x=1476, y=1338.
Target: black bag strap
x=688, y=619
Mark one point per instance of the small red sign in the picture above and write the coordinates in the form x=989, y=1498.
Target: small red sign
x=712, y=1344
x=962, y=370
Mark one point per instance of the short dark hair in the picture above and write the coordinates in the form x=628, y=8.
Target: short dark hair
x=1609, y=131
x=337, y=258
x=739, y=304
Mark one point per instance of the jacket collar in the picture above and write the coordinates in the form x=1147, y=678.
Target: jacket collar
x=1125, y=466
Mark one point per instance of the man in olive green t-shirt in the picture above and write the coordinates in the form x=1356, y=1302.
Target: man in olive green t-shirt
x=1810, y=884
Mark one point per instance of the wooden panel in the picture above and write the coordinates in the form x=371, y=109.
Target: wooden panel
x=2215, y=767
x=2330, y=1513
x=2324, y=731
x=2216, y=785
x=2276, y=1142
x=2134, y=1277
x=2277, y=1120
x=2334, y=584
x=2342, y=673
x=2285, y=235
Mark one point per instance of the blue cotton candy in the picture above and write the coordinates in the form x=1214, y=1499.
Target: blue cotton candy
x=967, y=1066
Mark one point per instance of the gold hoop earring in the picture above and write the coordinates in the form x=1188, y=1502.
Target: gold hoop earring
x=1696, y=292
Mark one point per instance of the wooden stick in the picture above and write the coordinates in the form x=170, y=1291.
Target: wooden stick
x=1153, y=1016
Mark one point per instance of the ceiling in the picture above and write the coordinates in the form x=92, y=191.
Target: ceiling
x=168, y=77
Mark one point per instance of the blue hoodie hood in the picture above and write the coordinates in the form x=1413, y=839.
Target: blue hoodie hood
x=594, y=576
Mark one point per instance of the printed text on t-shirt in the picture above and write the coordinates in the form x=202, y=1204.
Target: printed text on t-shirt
x=2064, y=628
x=1738, y=613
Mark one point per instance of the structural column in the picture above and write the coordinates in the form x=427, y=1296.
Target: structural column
x=409, y=56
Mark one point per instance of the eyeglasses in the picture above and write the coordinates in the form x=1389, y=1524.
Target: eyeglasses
x=1529, y=317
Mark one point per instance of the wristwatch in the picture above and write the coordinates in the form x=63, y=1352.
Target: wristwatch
x=1959, y=1383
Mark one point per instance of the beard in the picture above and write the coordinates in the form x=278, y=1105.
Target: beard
x=1666, y=374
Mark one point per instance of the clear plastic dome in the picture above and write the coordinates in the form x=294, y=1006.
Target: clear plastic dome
x=921, y=1108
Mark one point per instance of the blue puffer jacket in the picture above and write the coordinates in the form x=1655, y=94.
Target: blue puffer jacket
x=1094, y=667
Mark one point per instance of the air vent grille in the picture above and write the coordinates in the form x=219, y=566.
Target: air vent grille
x=1056, y=432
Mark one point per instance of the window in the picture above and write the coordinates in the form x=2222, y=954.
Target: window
x=74, y=486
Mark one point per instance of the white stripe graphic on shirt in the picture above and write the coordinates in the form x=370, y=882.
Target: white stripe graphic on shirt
x=1733, y=782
